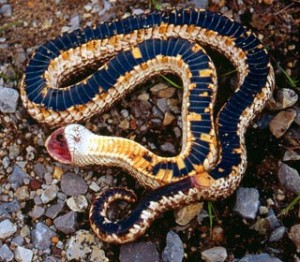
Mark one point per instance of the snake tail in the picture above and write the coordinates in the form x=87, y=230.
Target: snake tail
x=151, y=206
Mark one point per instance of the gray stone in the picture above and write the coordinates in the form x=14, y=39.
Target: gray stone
x=214, y=254
x=66, y=223
x=6, y=10
x=37, y=212
x=73, y=185
x=173, y=251
x=247, y=202
x=168, y=148
x=289, y=178
x=295, y=236
x=162, y=104
x=259, y=258
x=272, y=220
x=9, y=207
x=41, y=236
x=139, y=251
x=74, y=22
x=17, y=177
x=17, y=241
x=49, y=194
x=6, y=254
x=8, y=98
x=281, y=122
x=7, y=229
x=286, y=97
x=277, y=234
x=40, y=170
x=77, y=203
x=51, y=259
x=54, y=210
x=23, y=254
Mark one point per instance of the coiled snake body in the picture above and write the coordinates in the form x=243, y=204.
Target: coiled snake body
x=123, y=53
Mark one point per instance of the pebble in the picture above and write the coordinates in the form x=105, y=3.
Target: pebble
x=37, y=212
x=168, y=118
x=54, y=210
x=83, y=246
x=40, y=170
x=173, y=251
x=49, y=194
x=17, y=241
x=73, y=185
x=289, y=178
x=214, y=254
x=77, y=203
x=66, y=223
x=7, y=229
x=297, y=118
x=23, y=254
x=294, y=235
x=139, y=251
x=74, y=22
x=167, y=92
x=168, y=148
x=22, y=193
x=57, y=172
x=247, y=202
x=6, y=254
x=259, y=258
x=281, y=122
x=16, y=179
x=9, y=207
x=8, y=100
x=41, y=236
x=184, y=215
x=286, y=97
x=93, y=186
x=277, y=234
x=162, y=104
x=6, y=10
x=218, y=234
x=291, y=155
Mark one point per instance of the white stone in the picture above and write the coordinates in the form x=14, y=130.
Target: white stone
x=7, y=228
x=23, y=254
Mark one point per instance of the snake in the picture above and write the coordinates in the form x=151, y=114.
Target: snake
x=76, y=75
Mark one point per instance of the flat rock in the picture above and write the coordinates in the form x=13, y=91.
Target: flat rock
x=37, y=212
x=17, y=177
x=77, y=203
x=247, y=202
x=49, y=194
x=9, y=207
x=23, y=254
x=139, y=251
x=66, y=223
x=281, y=122
x=277, y=234
x=184, y=215
x=41, y=236
x=214, y=254
x=8, y=98
x=286, y=97
x=73, y=185
x=173, y=251
x=294, y=235
x=6, y=254
x=7, y=229
x=54, y=210
x=289, y=178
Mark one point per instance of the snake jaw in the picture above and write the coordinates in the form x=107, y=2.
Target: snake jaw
x=57, y=146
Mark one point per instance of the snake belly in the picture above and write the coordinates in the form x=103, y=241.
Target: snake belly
x=122, y=54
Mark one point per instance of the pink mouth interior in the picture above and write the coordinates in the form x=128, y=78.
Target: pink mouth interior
x=57, y=146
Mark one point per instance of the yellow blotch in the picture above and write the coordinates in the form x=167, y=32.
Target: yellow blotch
x=194, y=117
x=45, y=112
x=228, y=41
x=90, y=46
x=204, y=94
x=163, y=28
x=136, y=52
x=180, y=163
x=190, y=29
x=144, y=66
x=205, y=137
x=242, y=55
x=221, y=170
x=203, y=180
x=192, y=86
x=205, y=72
x=65, y=55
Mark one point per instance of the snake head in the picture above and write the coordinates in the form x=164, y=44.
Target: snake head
x=64, y=143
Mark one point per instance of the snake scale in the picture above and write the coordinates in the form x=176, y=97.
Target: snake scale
x=118, y=55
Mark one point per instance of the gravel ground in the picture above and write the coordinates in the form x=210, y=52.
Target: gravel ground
x=44, y=204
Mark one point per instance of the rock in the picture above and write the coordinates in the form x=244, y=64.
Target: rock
x=139, y=251
x=184, y=215
x=17, y=241
x=272, y=220
x=281, y=122
x=93, y=186
x=286, y=97
x=81, y=247
x=168, y=148
x=218, y=234
x=6, y=10
x=259, y=258
x=291, y=155
x=23, y=254
x=66, y=223
x=37, y=212
x=162, y=104
x=173, y=251
x=8, y=98
x=49, y=194
x=277, y=234
x=22, y=193
x=57, y=172
x=54, y=210
x=294, y=235
x=40, y=170
x=6, y=254
x=9, y=207
x=41, y=236
x=17, y=177
x=168, y=118
x=7, y=229
x=289, y=178
x=74, y=22
x=214, y=254
x=73, y=185
x=247, y=202
x=77, y=203
x=167, y=92
x=203, y=214
x=158, y=87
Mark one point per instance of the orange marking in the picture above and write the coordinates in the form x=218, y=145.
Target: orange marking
x=203, y=180
x=144, y=66
x=136, y=52
x=228, y=41
x=194, y=117
x=242, y=55
x=163, y=28
x=190, y=29
x=196, y=48
x=237, y=150
x=65, y=55
x=192, y=86
x=90, y=46
x=204, y=94
x=205, y=137
x=205, y=72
